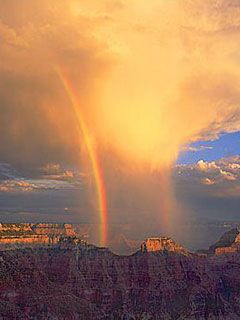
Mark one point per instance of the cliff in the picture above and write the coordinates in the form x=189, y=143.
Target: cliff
x=86, y=282
x=56, y=229
x=24, y=241
x=15, y=229
x=162, y=244
x=24, y=235
x=229, y=242
x=226, y=240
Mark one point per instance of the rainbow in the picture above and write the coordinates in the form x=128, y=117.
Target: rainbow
x=93, y=156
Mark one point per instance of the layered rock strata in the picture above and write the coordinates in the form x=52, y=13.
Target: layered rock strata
x=22, y=235
x=78, y=281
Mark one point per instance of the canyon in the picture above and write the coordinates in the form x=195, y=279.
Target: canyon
x=72, y=279
x=26, y=235
x=163, y=244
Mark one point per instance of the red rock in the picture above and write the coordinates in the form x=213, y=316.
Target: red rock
x=57, y=283
x=162, y=244
x=31, y=235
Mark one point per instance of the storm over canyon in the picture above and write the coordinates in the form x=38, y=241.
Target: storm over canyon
x=119, y=159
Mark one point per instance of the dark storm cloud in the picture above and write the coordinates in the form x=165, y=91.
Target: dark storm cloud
x=210, y=189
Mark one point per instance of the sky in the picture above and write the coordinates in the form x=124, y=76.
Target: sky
x=226, y=145
x=128, y=102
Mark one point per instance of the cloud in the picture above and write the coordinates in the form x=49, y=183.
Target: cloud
x=222, y=177
x=51, y=168
x=228, y=175
x=51, y=177
x=195, y=149
x=141, y=72
x=178, y=78
x=207, y=195
x=207, y=166
x=208, y=181
x=54, y=171
x=32, y=185
x=15, y=185
x=32, y=44
x=7, y=171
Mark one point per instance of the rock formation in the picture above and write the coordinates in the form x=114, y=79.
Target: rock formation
x=162, y=244
x=56, y=229
x=22, y=235
x=14, y=242
x=78, y=281
x=15, y=229
x=228, y=243
x=226, y=240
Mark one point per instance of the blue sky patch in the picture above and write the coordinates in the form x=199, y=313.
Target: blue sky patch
x=227, y=145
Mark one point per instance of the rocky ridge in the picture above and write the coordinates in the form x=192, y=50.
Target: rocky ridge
x=163, y=244
x=23, y=235
x=74, y=280
x=229, y=242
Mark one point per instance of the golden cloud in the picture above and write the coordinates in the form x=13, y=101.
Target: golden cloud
x=150, y=77
x=221, y=176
